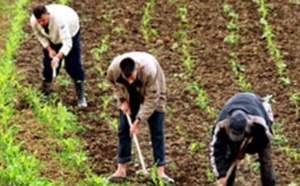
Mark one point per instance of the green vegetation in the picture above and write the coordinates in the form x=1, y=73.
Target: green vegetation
x=268, y=35
x=202, y=99
x=232, y=38
x=18, y=167
x=146, y=28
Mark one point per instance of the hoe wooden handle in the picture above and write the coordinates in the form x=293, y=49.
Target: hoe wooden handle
x=236, y=161
x=54, y=72
x=138, y=147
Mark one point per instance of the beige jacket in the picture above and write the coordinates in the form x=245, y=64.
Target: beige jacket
x=63, y=25
x=150, y=73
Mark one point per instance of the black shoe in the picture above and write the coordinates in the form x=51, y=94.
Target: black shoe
x=113, y=178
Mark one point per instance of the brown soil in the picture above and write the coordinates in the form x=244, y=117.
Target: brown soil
x=185, y=122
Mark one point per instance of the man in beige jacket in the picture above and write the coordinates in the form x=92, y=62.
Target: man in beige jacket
x=140, y=89
x=57, y=29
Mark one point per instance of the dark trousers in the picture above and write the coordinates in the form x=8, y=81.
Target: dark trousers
x=267, y=171
x=156, y=126
x=73, y=63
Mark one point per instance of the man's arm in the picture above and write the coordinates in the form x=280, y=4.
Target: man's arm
x=151, y=98
x=266, y=166
x=218, y=148
x=66, y=39
x=117, y=89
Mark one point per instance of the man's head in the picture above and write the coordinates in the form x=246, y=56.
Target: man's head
x=42, y=15
x=128, y=69
x=237, y=126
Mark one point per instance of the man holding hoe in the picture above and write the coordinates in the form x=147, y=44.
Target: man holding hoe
x=243, y=126
x=140, y=89
x=57, y=29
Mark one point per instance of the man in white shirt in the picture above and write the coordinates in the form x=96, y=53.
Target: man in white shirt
x=57, y=29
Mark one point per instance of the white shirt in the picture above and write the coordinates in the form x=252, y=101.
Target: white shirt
x=63, y=25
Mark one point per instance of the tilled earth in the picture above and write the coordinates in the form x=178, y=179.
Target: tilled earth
x=185, y=123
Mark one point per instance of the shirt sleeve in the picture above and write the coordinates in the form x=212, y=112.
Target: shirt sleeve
x=42, y=39
x=65, y=37
x=151, y=98
x=116, y=88
x=218, y=149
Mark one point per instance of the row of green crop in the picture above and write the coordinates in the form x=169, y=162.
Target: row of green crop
x=201, y=98
x=268, y=35
x=232, y=38
x=64, y=128
x=17, y=167
x=183, y=46
x=145, y=27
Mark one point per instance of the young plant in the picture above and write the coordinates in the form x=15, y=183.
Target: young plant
x=185, y=43
x=196, y=146
x=202, y=98
x=232, y=38
x=183, y=11
x=97, y=52
x=210, y=175
x=294, y=98
x=146, y=28
x=119, y=30
x=227, y=8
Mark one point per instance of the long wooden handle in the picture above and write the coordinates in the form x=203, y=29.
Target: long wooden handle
x=54, y=72
x=233, y=165
x=138, y=147
x=236, y=161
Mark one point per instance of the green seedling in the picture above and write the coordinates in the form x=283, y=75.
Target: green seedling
x=119, y=30
x=196, y=146
x=232, y=38
x=227, y=8
x=294, y=98
x=146, y=28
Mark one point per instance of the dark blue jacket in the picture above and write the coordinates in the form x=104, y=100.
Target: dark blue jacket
x=222, y=150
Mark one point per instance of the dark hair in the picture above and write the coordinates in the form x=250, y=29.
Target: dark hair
x=39, y=10
x=127, y=66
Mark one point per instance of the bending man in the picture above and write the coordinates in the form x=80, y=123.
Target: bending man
x=245, y=117
x=140, y=88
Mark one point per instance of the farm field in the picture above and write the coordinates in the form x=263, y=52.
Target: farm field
x=209, y=51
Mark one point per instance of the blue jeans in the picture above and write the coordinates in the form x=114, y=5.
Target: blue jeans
x=156, y=126
x=73, y=63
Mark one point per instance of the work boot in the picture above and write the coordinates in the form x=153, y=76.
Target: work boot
x=80, y=94
x=46, y=88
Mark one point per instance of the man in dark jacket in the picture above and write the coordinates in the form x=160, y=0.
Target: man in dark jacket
x=246, y=117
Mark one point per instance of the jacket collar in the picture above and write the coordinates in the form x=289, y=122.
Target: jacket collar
x=137, y=82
